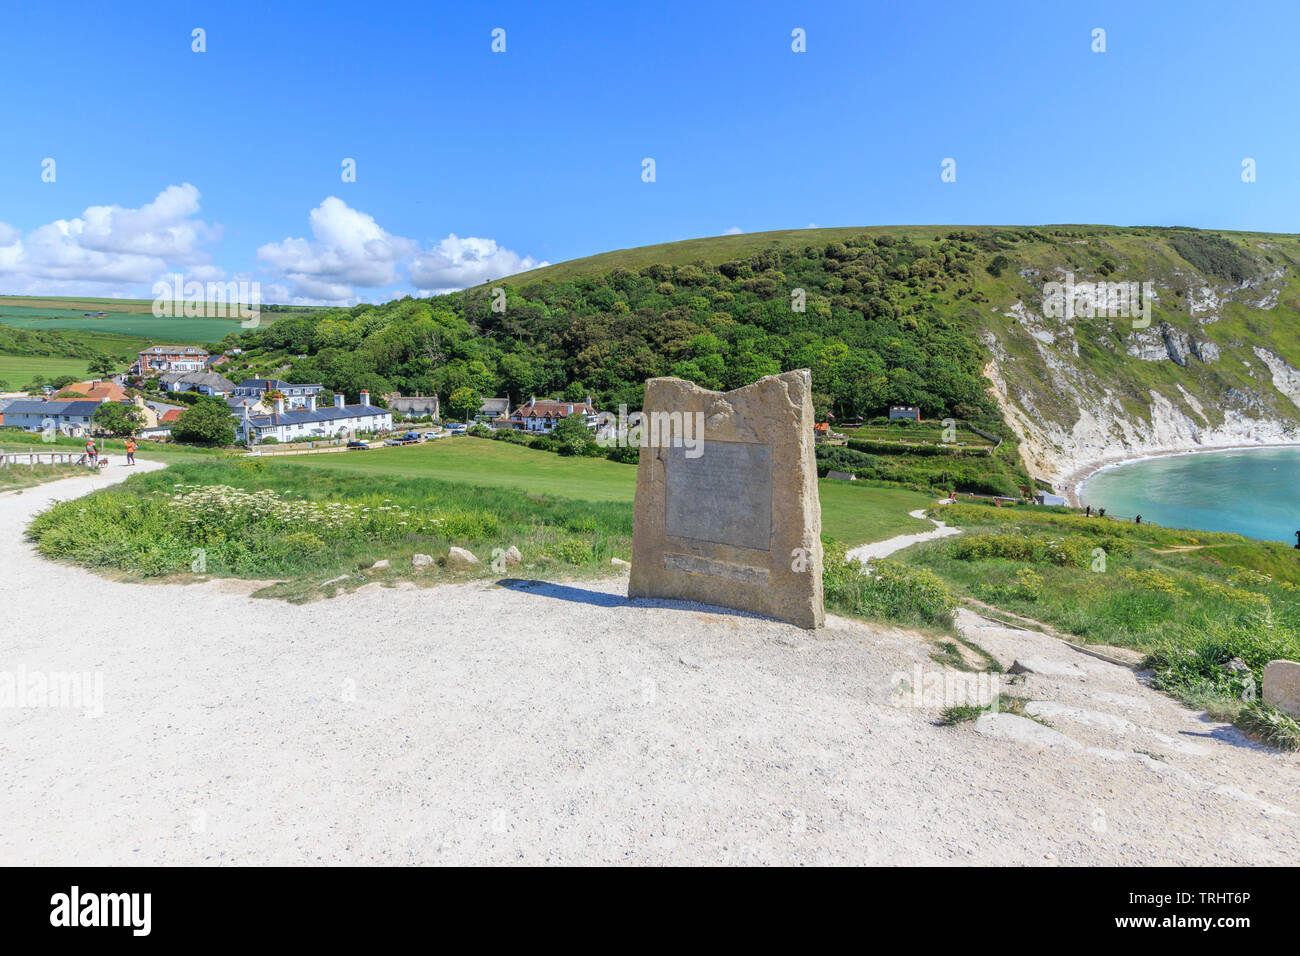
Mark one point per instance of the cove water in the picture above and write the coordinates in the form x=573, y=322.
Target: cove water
x=1253, y=492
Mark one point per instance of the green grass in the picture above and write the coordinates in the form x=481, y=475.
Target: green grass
x=19, y=370
x=251, y=518
x=1192, y=601
x=567, y=515
x=15, y=440
x=16, y=477
x=852, y=512
x=180, y=331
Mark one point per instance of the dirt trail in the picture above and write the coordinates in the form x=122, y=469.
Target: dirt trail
x=561, y=723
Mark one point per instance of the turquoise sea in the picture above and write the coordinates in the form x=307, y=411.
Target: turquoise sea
x=1255, y=492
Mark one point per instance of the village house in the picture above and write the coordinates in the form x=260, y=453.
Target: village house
x=543, y=415
x=295, y=396
x=205, y=383
x=412, y=406
x=170, y=358
x=68, y=417
x=99, y=390
x=284, y=424
x=904, y=411
x=493, y=409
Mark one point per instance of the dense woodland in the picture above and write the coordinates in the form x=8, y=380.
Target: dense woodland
x=884, y=321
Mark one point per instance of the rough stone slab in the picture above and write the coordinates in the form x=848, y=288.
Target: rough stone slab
x=734, y=521
x=1282, y=686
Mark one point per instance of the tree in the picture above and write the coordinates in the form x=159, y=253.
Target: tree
x=117, y=419
x=208, y=422
x=463, y=402
x=102, y=366
x=573, y=435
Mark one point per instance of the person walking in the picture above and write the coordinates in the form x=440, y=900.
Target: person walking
x=91, y=452
x=130, y=451
x=1137, y=520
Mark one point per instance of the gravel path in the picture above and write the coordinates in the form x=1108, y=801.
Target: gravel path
x=882, y=549
x=553, y=723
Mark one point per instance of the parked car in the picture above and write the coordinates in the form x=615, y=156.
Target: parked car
x=359, y=444
x=458, y=429
x=429, y=436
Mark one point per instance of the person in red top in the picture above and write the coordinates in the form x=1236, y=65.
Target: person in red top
x=91, y=451
x=130, y=451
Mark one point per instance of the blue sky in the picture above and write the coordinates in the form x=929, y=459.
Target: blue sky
x=226, y=164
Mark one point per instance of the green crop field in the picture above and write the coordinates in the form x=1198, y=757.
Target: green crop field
x=17, y=370
x=180, y=331
x=852, y=512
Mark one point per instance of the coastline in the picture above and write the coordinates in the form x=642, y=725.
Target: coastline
x=1075, y=480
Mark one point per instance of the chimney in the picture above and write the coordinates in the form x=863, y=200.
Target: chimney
x=338, y=399
x=311, y=403
x=365, y=397
x=245, y=416
x=279, y=407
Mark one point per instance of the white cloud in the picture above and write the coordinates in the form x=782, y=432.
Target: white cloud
x=348, y=249
x=733, y=231
x=350, y=256
x=456, y=263
x=110, y=250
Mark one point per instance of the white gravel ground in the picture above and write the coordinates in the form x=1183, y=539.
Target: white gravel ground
x=563, y=724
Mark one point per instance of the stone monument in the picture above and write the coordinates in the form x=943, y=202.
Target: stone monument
x=727, y=511
x=1282, y=686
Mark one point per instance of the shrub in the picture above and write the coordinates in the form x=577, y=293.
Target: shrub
x=888, y=591
x=1270, y=725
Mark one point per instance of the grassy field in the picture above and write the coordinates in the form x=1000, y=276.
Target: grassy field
x=13, y=439
x=852, y=512
x=18, y=370
x=1193, y=601
x=179, y=331
x=22, y=476
x=305, y=520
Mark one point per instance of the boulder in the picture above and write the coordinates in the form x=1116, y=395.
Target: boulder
x=421, y=560
x=381, y=565
x=460, y=558
x=513, y=557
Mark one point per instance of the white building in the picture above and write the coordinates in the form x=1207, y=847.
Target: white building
x=295, y=395
x=312, y=422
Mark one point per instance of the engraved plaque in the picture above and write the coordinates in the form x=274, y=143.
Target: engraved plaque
x=716, y=569
x=723, y=496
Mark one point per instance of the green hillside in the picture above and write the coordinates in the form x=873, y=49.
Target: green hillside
x=948, y=318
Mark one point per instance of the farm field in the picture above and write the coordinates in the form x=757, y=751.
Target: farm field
x=17, y=370
x=854, y=513
x=180, y=331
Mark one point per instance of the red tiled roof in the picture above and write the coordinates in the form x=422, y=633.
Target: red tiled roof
x=170, y=416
